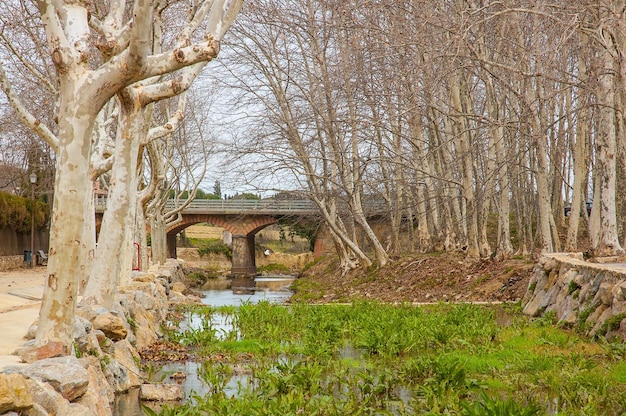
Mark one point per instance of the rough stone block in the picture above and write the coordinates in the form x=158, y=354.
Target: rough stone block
x=64, y=374
x=99, y=395
x=161, y=392
x=125, y=354
x=112, y=326
x=14, y=395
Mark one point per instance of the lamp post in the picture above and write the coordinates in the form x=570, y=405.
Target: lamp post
x=33, y=181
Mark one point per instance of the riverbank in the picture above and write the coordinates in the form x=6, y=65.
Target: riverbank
x=432, y=277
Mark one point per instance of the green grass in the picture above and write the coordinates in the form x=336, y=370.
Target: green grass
x=274, y=268
x=211, y=245
x=374, y=359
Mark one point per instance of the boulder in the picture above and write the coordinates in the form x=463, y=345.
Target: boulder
x=14, y=395
x=161, y=392
x=99, y=395
x=65, y=374
x=144, y=277
x=179, y=287
x=112, y=326
x=29, y=352
x=126, y=355
x=52, y=402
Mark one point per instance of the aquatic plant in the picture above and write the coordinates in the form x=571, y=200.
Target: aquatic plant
x=371, y=358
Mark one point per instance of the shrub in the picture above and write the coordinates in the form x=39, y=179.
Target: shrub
x=16, y=213
x=212, y=245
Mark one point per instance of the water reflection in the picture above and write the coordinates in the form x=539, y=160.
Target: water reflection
x=129, y=404
x=230, y=298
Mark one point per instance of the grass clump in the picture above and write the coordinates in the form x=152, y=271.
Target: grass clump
x=273, y=268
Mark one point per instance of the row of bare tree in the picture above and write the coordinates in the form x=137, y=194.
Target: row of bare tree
x=456, y=113
x=104, y=83
x=451, y=112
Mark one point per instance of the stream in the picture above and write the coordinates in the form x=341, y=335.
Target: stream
x=273, y=289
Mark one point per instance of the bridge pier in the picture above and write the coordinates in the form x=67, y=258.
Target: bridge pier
x=171, y=246
x=244, y=262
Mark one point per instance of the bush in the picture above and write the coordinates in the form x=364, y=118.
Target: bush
x=211, y=245
x=15, y=213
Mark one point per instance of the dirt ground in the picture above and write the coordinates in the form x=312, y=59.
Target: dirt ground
x=426, y=278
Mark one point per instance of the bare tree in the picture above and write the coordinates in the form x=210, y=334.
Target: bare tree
x=86, y=81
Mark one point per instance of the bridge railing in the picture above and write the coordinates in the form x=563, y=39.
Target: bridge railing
x=243, y=206
x=253, y=206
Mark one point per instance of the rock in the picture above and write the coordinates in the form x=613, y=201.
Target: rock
x=99, y=395
x=125, y=354
x=64, y=374
x=619, y=292
x=603, y=295
x=13, y=393
x=31, y=353
x=82, y=327
x=117, y=376
x=161, y=392
x=176, y=298
x=537, y=305
x=112, y=326
x=36, y=410
x=179, y=287
x=52, y=402
x=32, y=330
x=147, y=329
x=144, y=277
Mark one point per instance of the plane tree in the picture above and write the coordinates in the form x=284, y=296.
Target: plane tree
x=97, y=51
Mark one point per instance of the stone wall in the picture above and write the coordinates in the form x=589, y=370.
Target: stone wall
x=590, y=296
x=11, y=262
x=106, y=356
x=13, y=243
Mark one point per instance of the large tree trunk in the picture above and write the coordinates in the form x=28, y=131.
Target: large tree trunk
x=462, y=131
x=115, y=241
x=504, y=248
x=67, y=233
x=579, y=194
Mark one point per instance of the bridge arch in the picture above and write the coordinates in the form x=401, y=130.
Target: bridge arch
x=243, y=229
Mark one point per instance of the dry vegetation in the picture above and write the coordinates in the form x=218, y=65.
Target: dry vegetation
x=425, y=278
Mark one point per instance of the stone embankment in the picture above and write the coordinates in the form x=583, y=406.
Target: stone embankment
x=106, y=360
x=588, y=295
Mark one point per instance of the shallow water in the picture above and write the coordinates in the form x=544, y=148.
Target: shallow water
x=228, y=297
x=129, y=404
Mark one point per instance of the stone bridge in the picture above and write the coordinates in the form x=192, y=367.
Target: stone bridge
x=243, y=218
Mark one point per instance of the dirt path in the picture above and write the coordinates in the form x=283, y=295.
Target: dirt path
x=20, y=295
